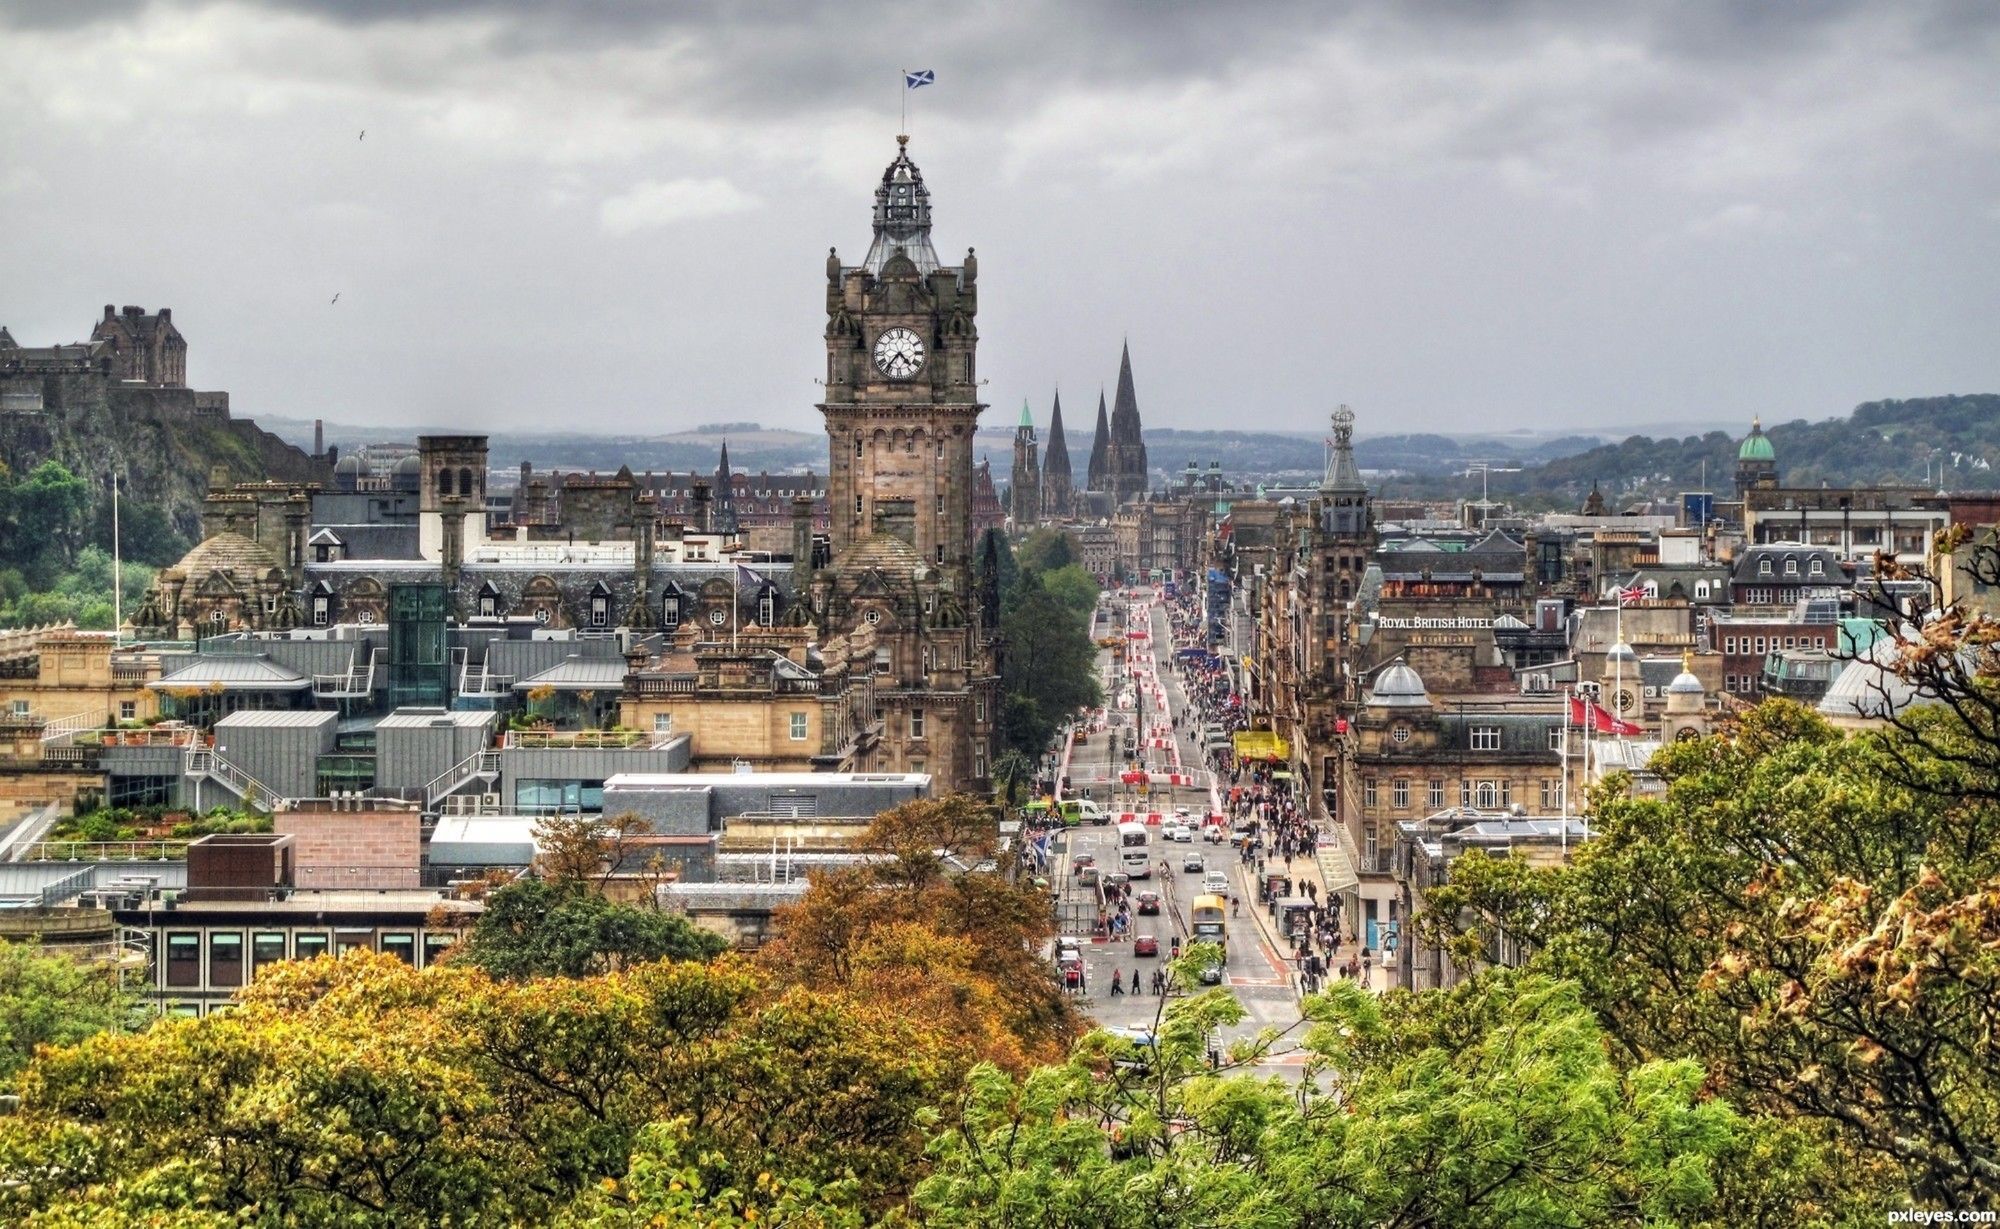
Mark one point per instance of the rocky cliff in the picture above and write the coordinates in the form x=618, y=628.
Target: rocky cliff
x=164, y=440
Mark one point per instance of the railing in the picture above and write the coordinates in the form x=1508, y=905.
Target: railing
x=132, y=671
x=148, y=736
x=600, y=740
x=479, y=681
x=105, y=851
x=63, y=730
x=357, y=680
x=646, y=685
x=483, y=762
x=203, y=762
x=795, y=687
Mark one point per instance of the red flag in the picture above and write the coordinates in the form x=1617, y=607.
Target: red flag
x=1604, y=722
x=1577, y=716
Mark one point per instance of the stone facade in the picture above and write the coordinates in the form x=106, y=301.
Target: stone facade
x=143, y=346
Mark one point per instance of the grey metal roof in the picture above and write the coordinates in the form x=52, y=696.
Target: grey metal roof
x=428, y=718
x=233, y=673
x=287, y=718
x=579, y=674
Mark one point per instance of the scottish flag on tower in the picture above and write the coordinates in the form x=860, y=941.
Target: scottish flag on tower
x=919, y=78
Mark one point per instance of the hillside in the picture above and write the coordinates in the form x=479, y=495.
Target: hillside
x=1879, y=442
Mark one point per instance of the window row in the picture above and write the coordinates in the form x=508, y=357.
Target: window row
x=233, y=957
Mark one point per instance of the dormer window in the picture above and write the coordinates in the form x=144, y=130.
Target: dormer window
x=767, y=609
x=1816, y=567
x=489, y=606
x=1764, y=567
x=670, y=611
x=600, y=611
x=1791, y=566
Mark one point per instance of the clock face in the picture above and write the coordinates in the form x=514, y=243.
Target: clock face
x=1623, y=700
x=899, y=354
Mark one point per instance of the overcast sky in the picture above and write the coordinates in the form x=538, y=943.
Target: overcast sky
x=614, y=215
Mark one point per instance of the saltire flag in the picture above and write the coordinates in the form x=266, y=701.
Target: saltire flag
x=749, y=576
x=1633, y=593
x=918, y=79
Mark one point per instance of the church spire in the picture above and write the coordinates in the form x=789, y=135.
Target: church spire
x=1100, y=445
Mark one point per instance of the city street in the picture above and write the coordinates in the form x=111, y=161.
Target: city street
x=1133, y=690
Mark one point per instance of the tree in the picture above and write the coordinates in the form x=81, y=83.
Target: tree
x=50, y=506
x=1505, y=1112
x=922, y=932
x=1045, y=550
x=1073, y=587
x=560, y=928
x=1801, y=921
x=1013, y=771
x=361, y=1091
x=51, y=998
x=1049, y=673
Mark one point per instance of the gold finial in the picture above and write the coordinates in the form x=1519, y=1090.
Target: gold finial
x=1687, y=661
x=902, y=140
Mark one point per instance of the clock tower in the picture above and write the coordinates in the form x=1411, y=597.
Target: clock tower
x=902, y=397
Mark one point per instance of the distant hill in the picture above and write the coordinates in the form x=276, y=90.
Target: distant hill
x=1880, y=442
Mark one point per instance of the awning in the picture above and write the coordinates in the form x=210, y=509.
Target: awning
x=1261, y=745
x=1334, y=868
x=606, y=674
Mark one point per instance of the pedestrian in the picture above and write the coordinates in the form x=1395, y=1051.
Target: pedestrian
x=1117, y=986
x=1135, y=981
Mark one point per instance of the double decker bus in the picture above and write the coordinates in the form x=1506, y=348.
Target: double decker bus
x=1207, y=920
x=1133, y=856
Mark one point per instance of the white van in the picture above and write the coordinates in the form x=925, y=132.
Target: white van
x=1136, y=862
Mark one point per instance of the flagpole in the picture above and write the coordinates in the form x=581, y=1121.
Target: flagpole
x=903, y=86
x=117, y=571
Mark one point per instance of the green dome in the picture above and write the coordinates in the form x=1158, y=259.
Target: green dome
x=1756, y=446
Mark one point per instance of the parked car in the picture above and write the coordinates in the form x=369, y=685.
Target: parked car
x=1145, y=945
x=1193, y=863
x=1149, y=902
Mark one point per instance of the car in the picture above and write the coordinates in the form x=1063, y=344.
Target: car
x=1145, y=945
x=1149, y=902
x=1211, y=975
x=1079, y=861
x=1086, y=874
x=1182, y=833
x=1182, y=814
x=1213, y=834
x=1117, y=879
x=1216, y=882
x=1072, y=973
x=1193, y=863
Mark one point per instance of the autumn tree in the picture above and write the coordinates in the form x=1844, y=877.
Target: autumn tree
x=560, y=928
x=924, y=928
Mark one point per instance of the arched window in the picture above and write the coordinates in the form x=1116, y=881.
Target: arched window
x=444, y=482
x=465, y=481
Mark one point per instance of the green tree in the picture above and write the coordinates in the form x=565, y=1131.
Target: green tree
x=1804, y=920
x=50, y=998
x=538, y=928
x=1073, y=587
x=1048, y=672
x=1045, y=550
x=1014, y=772
x=50, y=507
x=1507, y=1112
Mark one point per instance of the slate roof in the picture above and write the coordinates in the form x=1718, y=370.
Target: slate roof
x=233, y=673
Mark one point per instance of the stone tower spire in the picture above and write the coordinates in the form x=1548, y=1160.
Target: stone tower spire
x=1058, y=484
x=1100, y=449
x=1129, y=473
x=902, y=216
x=1024, y=490
x=725, y=495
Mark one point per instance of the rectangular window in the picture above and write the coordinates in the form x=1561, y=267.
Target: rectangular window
x=1506, y=794
x=798, y=727
x=225, y=958
x=1399, y=793
x=184, y=958
x=436, y=944
x=857, y=505
x=1465, y=793
x=916, y=723
x=1555, y=738
x=670, y=612
x=1437, y=793
x=319, y=612
x=267, y=947
x=979, y=762
x=345, y=941
x=402, y=945
x=881, y=661
x=20, y=708
x=1551, y=796
x=1368, y=792
x=1486, y=738
x=307, y=946
x=663, y=723
x=128, y=710
x=1368, y=846
x=979, y=708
